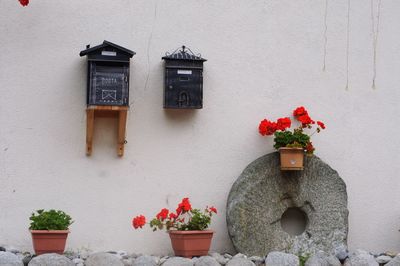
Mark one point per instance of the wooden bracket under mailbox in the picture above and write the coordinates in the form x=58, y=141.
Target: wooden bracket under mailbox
x=106, y=111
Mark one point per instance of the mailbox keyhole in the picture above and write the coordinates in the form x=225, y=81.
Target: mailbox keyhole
x=183, y=99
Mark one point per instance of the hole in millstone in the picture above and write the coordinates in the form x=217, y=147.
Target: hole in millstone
x=294, y=221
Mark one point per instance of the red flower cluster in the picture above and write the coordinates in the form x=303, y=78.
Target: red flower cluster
x=299, y=111
x=267, y=127
x=139, y=221
x=297, y=138
x=301, y=115
x=184, y=218
x=163, y=214
x=184, y=206
x=173, y=216
x=24, y=2
x=283, y=123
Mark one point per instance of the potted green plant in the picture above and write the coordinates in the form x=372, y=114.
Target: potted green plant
x=49, y=231
x=187, y=228
x=292, y=144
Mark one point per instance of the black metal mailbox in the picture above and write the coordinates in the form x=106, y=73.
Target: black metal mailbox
x=183, y=79
x=108, y=74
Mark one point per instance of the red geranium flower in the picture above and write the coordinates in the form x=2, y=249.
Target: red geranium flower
x=139, y=221
x=283, y=123
x=213, y=209
x=172, y=216
x=305, y=120
x=184, y=206
x=163, y=214
x=320, y=124
x=267, y=127
x=24, y=2
x=299, y=111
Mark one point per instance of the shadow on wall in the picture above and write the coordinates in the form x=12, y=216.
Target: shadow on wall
x=179, y=116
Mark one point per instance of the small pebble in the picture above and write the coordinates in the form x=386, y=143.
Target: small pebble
x=78, y=260
x=228, y=256
x=239, y=255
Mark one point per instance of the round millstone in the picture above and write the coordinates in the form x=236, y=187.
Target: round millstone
x=293, y=211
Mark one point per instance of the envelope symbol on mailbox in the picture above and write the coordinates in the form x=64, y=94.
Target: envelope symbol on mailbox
x=109, y=95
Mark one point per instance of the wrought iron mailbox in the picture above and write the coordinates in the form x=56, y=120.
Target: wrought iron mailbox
x=108, y=74
x=107, y=88
x=183, y=79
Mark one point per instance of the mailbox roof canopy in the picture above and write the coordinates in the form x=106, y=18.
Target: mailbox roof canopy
x=183, y=53
x=98, y=52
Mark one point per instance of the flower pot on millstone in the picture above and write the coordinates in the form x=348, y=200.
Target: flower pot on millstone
x=291, y=158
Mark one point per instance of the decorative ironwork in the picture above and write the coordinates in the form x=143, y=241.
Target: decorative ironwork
x=183, y=53
x=183, y=83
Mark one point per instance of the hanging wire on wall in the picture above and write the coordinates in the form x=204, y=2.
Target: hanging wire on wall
x=375, y=33
x=348, y=44
x=325, y=34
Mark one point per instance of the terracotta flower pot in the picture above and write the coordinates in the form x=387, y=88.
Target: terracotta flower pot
x=191, y=243
x=49, y=241
x=291, y=158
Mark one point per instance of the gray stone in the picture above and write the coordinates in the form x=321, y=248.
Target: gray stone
x=12, y=249
x=163, y=259
x=390, y=254
x=9, y=259
x=78, y=260
x=206, y=261
x=71, y=255
x=123, y=254
x=27, y=259
x=157, y=259
x=276, y=258
x=240, y=262
x=134, y=255
x=145, y=260
x=262, y=194
x=383, y=259
x=51, y=259
x=360, y=258
x=128, y=261
x=178, y=261
x=340, y=251
x=219, y=258
x=20, y=256
x=84, y=254
x=257, y=260
x=394, y=262
x=103, y=259
x=228, y=256
x=239, y=255
x=322, y=259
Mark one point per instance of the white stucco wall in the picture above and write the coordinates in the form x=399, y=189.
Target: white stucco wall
x=264, y=59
